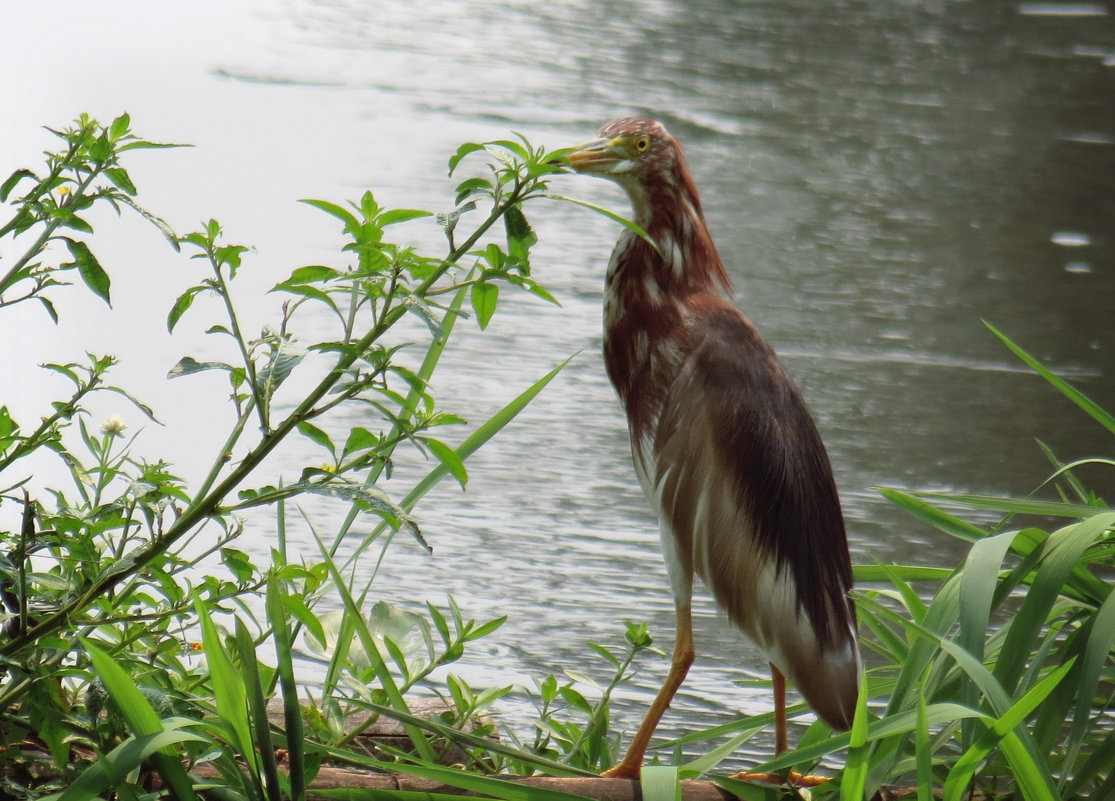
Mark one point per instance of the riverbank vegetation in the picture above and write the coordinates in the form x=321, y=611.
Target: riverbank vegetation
x=142, y=640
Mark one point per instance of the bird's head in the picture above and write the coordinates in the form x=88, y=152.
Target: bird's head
x=629, y=148
x=639, y=155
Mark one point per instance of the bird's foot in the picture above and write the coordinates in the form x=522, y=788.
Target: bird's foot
x=791, y=778
x=622, y=771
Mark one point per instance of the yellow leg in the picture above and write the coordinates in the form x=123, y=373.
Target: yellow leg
x=780, y=741
x=679, y=665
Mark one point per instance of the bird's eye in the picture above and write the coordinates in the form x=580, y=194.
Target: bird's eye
x=642, y=144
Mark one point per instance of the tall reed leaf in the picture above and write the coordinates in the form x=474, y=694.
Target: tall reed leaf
x=257, y=708
x=229, y=692
x=367, y=640
x=292, y=714
x=1029, y=776
x=141, y=718
x=1065, y=388
x=1060, y=557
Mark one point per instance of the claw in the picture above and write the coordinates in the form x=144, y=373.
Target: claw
x=791, y=778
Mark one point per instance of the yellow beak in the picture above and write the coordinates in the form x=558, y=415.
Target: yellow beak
x=596, y=156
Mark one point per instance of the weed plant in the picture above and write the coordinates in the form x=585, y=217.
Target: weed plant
x=140, y=643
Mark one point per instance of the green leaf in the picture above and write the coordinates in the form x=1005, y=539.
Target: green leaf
x=184, y=301
x=417, y=306
x=89, y=268
x=448, y=457
x=469, y=187
x=962, y=772
x=1076, y=396
x=484, y=297
x=187, y=365
x=340, y=212
x=119, y=127
x=482, y=434
x=950, y=524
x=512, y=146
x=360, y=439
x=311, y=274
x=520, y=236
x=101, y=149
x=923, y=751
x=283, y=359
x=12, y=180
x=371, y=648
x=140, y=717
x=229, y=691
x=396, y=216
x=315, y=434
x=1098, y=647
x=292, y=713
x=611, y=215
x=100, y=776
x=462, y=151
x=1061, y=554
x=119, y=176
x=854, y=779
x=257, y=709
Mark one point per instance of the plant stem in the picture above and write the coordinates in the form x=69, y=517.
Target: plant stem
x=206, y=506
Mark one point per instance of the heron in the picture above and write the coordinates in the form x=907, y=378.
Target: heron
x=723, y=445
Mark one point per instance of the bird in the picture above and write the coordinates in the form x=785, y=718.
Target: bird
x=723, y=444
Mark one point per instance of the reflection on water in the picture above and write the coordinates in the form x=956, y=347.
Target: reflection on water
x=878, y=177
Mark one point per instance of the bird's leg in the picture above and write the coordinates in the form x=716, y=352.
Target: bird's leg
x=679, y=665
x=780, y=744
x=780, y=741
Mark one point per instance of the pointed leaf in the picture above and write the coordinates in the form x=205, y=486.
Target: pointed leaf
x=187, y=365
x=448, y=457
x=12, y=180
x=184, y=301
x=340, y=212
x=396, y=216
x=484, y=298
x=90, y=269
x=315, y=434
x=119, y=177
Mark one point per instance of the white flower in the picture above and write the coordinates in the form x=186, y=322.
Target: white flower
x=114, y=426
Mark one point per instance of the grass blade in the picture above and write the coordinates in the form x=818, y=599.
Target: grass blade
x=854, y=778
x=125, y=758
x=978, y=579
x=923, y=752
x=292, y=714
x=950, y=524
x=367, y=640
x=481, y=435
x=1062, y=553
x=1090, y=407
x=141, y=718
x=257, y=708
x=229, y=693
x=1037, y=780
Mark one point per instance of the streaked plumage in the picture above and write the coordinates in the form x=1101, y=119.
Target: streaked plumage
x=723, y=444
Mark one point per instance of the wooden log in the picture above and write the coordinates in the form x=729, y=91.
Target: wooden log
x=599, y=788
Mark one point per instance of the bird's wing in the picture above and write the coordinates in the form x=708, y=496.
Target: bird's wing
x=742, y=479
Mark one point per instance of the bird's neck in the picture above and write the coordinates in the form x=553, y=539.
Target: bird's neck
x=647, y=297
x=678, y=261
x=684, y=259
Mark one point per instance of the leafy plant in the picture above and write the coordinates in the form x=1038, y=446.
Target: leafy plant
x=99, y=577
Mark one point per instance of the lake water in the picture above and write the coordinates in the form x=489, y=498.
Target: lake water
x=878, y=176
